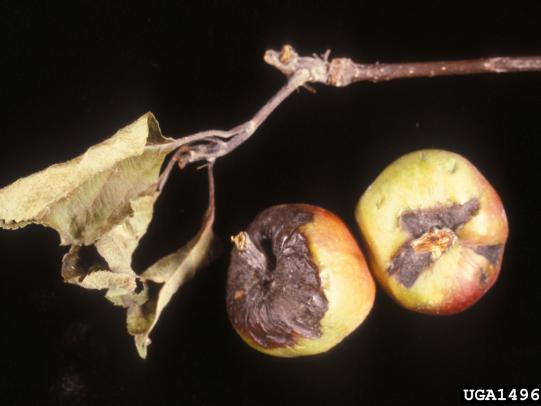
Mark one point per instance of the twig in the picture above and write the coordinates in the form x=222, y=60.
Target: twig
x=343, y=71
x=209, y=216
x=301, y=70
x=244, y=131
x=212, y=144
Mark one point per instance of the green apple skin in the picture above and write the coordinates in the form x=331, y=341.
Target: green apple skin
x=462, y=255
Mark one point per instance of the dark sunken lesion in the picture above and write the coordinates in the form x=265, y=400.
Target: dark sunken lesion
x=483, y=277
x=277, y=298
x=407, y=264
x=418, y=222
x=490, y=252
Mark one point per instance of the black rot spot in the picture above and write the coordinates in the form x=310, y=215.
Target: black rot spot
x=407, y=264
x=490, y=252
x=483, y=277
x=418, y=222
x=274, y=293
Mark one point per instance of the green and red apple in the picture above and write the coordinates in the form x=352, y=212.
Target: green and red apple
x=435, y=230
x=298, y=283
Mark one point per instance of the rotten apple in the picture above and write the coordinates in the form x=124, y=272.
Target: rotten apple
x=297, y=283
x=435, y=230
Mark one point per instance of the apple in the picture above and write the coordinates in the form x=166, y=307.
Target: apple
x=297, y=283
x=435, y=231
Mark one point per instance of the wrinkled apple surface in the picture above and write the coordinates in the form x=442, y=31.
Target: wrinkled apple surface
x=298, y=283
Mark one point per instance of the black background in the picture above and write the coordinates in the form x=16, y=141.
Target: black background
x=74, y=73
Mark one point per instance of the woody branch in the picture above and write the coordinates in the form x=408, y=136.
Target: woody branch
x=338, y=72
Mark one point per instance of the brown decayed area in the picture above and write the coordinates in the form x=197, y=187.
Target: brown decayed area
x=274, y=293
x=490, y=252
x=425, y=225
x=418, y=222
x=407, y=265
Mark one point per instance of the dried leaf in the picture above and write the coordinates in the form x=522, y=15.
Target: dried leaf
x=119, y=243
x=105, y=198
x=172, y=271
x=84, y=198
x=116, y=247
